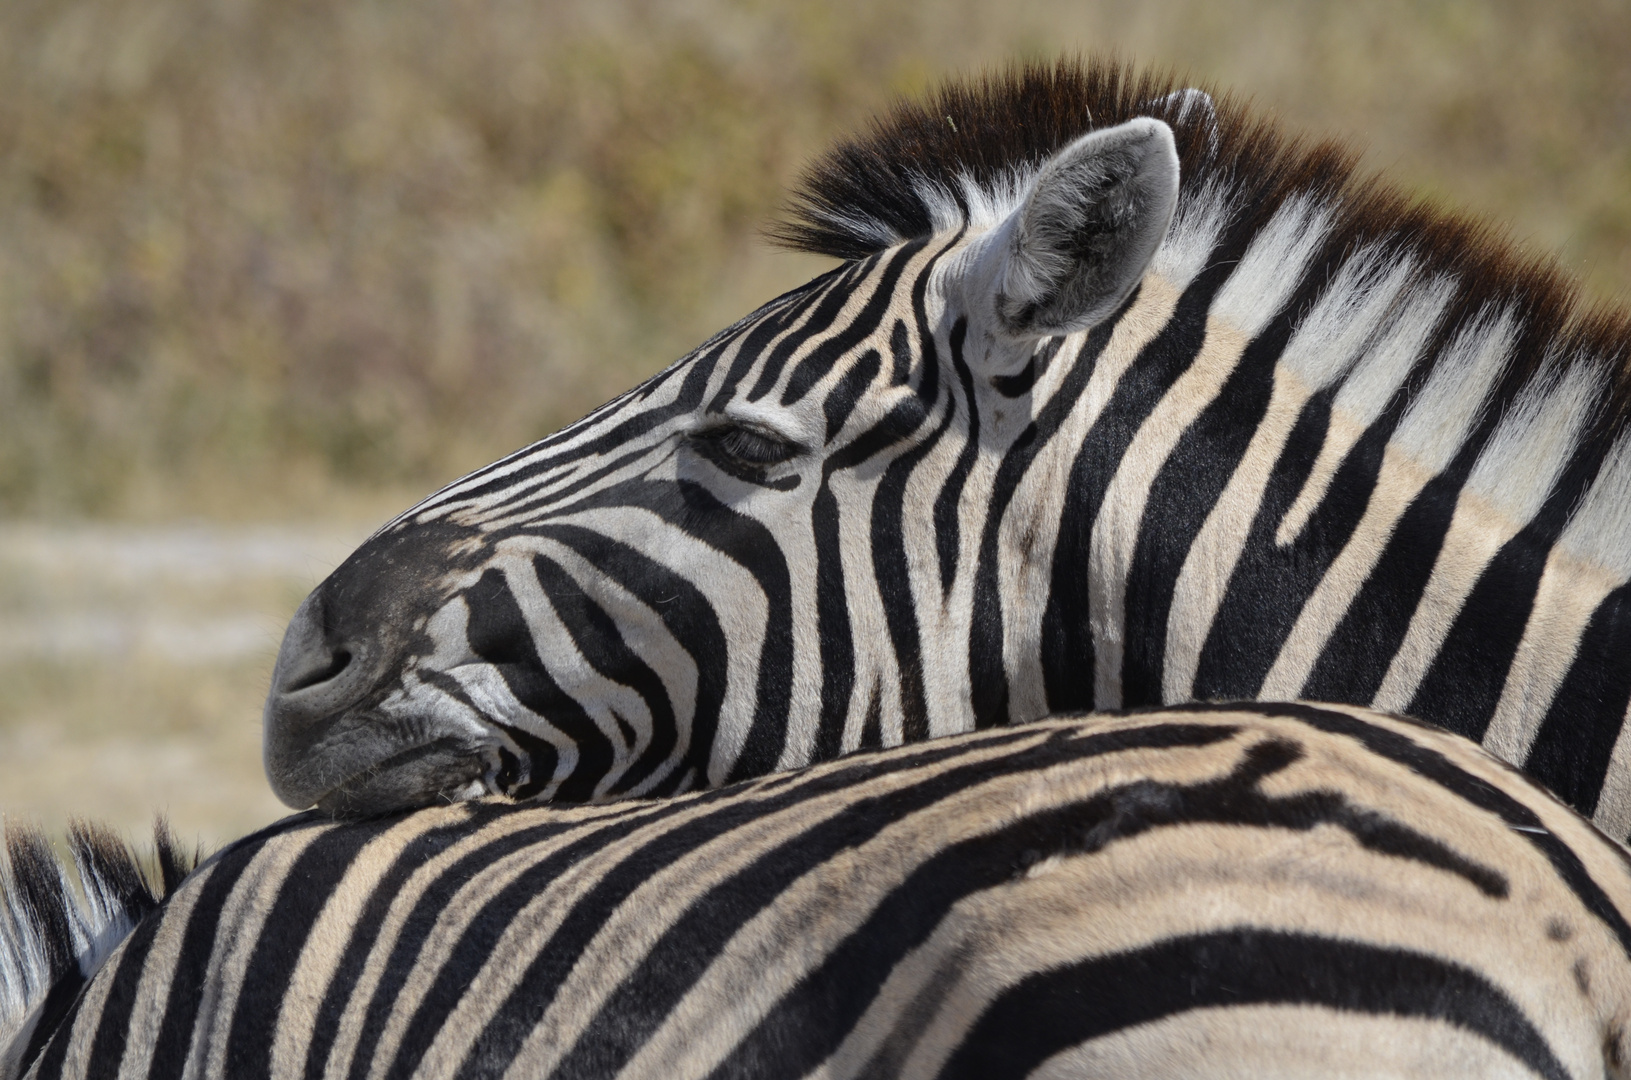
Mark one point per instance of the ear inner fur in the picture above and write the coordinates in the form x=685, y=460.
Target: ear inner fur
x=1088, y=229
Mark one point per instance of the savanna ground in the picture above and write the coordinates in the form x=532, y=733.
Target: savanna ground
x=270, y=269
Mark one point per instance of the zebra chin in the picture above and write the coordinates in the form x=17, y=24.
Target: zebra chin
x=367, y=767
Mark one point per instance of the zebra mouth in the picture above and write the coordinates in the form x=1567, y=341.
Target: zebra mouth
x=444, y=770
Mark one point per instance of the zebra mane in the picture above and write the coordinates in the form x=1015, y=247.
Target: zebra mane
x=51, y=933
x=965, y=155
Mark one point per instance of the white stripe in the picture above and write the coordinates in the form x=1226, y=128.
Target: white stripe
x=1273, y=266
x=1506, y=489
x=1613, y=814
x=1030, y=527
x=1364, y=395
x=1591, y=559
x=1321, y=351
x=1199, y=220
x=1433, y=429
x=1267, y=275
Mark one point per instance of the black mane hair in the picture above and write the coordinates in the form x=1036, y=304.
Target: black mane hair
x=52, y=940
x=878, y=189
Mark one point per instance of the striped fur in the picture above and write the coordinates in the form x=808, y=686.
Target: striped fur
x=52, y=940
x=1285, y=890
x=1337, y=445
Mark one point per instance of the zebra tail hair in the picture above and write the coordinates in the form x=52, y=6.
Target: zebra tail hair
x=54, y=936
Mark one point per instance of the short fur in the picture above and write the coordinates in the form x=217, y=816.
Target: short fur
x=1256, y=890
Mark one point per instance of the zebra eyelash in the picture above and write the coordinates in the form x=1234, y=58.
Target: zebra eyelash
x=743, y=446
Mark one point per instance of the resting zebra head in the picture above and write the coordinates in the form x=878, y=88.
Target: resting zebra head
x=1117, y=397
x=668, y=593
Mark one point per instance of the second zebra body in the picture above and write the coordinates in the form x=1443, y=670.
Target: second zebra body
x=1278, y=890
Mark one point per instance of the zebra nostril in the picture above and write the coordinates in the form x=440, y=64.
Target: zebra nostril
x=298, y=681
x=313, y=668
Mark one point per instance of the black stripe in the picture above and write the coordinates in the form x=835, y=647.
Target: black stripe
x=1052, y=1011
x=698, y=367
x=947, y=504
x=1356, y=656
x=1479, y=792
x=548, y=458
x=832, y=624
x=820, y=360
x=481, y=935
x=1187, y=488
x=697, y=512
x=54, y=1017
x=743, y=539
x=841, y=399
x=1463, y=684
x=597, y=638
x=650, y=993
x=832, y=604
x=891, y=566
x=370, y=920
x=567, y=497
x=498, y=633
x=988, y=675
x=844, y=985
x=1572, y=749
x=1020, y=383
x=901, y=358
x=872, y=723
x=685, y=613
x=818, y=310
x=299, y=897
x=501, y=1039
x=1067, y=637
x=1271, y=584
x=196, y=957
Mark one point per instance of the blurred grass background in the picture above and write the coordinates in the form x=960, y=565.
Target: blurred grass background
x=294, y=262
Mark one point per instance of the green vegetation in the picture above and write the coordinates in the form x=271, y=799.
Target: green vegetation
x=257, y=256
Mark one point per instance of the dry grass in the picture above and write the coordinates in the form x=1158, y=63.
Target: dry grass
x=133, y=661
x=273, y=258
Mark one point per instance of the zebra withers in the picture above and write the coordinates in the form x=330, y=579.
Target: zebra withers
x=1119, y=398
x=1276, y=890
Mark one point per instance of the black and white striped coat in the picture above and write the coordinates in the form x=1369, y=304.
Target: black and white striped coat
x=1278, y=890
x=1119, y=399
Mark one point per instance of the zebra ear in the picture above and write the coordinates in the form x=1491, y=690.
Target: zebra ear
x=1087, y=230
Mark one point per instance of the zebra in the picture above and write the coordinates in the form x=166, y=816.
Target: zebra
x=1281, y=889
x=1118, y=397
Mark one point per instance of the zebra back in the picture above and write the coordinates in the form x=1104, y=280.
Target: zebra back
x=1234, y=890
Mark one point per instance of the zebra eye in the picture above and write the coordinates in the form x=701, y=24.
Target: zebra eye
x=744, y=446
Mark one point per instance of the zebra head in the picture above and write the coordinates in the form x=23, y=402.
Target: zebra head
x=757, y=559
